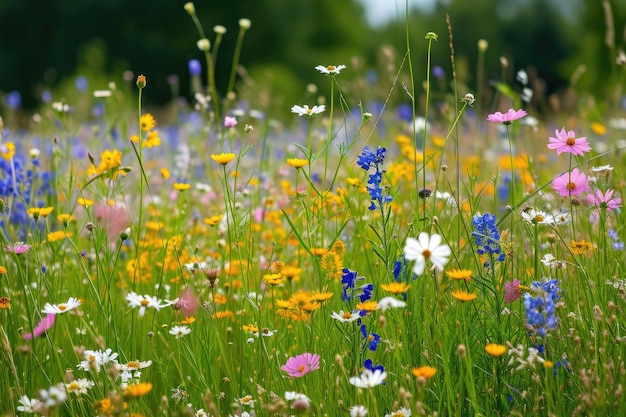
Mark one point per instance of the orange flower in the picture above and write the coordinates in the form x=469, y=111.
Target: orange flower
x=396, y=287
x=368, y=306
x=137, y=390
x=465, y=274
x=495, y=350
x=425, y=372
x=463, y=295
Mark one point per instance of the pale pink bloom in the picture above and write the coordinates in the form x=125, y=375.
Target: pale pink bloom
x=605, y=201
x=572, y=183
x=18, y=248
x=230, y=121
x=567, y=142
x=507, y=117
x=113, y=218
x=301, y=365
x=41, y=328
x=512, y=291
x=187, y=302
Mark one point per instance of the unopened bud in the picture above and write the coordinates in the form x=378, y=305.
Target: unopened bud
x=367, y=116
x=248, y=128
x=204, y=44
x=219, y=29
x=431, y=36
x=245, y=24
x=190, y=8
x=482, y=45
x=125, y=234
x=469, y=98
x=141, y=81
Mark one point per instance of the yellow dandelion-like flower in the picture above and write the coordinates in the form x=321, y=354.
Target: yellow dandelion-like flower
x=598, y=128
x=219, y=298
x=495, y=350
x=223, y=315
x=152, y=140
x=273, y=279
x=368, y=306
x=292, y=273
x=3, y=270
x=58, y=235
x=5, y=302
x=214, y=220
x=548, y=364
x=165, y=173
x=223, y=158
x=463, y=295
x=250, y=328
x=403, y=140
x=459, y=274
x=425, y=372
x=65, y=218
x=297, y=162
x=322, y=297
x=137, y=390
x=182, y=186
x=355, y=182
x=147, y=122
x=581, y=247
x=188, y=320
x=7, y=151
x=396, y=287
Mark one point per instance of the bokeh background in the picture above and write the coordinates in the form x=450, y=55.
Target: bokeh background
x=50, y=46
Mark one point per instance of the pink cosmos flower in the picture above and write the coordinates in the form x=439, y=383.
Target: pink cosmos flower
x=18, y=248
x=605, y=201
x=567, y=142
x=114, y=218
x=300, y=365
x=512, y=291
x=507, y=117
x=230, y=121
x=187, y=302
x=41, y=328
x=571, y=183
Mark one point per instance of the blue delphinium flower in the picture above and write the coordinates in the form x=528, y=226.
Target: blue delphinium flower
x=371, y=339
x=540, y=308
x=617, y=243
x=486, y=236
x=350, y=291
x=368, y=160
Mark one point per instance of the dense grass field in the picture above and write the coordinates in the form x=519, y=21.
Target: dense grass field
x=433, y=255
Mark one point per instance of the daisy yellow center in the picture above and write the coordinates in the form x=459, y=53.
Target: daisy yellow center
x=62, y=307
x=73, y=386
x=347, y=315
x=144, y=302
x=309, y=111
x=426, y=254
x=570, y=141
x=330, y=68
x=539, y=218
x=133, y=364
x=301, y=368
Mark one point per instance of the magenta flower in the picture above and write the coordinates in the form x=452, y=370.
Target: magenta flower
x=567, y=142
x=230, y=121
x=113, y=218
x=512, y=291
x=187, y=302
x=571, y=183
x=604, y=201
x=300, y=365
x=18, y=248
x=41, y=328
x=507, y=117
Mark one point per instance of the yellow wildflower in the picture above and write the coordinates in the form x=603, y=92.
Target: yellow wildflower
x=58, y=235
x=214, y=220
x=7, y=151
x=368, y=306
x=165, y=173
x=425, y=372
x=182, y=186
x=581, y=247
x=495, y=350
x=223, y=158
x=396, y=287
x=147, y=122
x=152, y=139
x=464, y=295
x=5, y=302
x=464, y=274
x=137, y=390
x=297, y=162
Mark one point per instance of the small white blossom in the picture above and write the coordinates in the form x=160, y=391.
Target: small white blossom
x=346, y=316
x=331, y=69
x=390, y=302
x=369, y=378
x=71, y=304
x=308, y=111
x=180, y=331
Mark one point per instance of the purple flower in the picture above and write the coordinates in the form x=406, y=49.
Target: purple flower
x=230, y=121
x=604, y=201
x=195, y=67
x=301, y=365
x=41, y=328
x=18, y=248
x=507, y=117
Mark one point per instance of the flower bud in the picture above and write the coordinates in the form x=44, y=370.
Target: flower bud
x=245, y=24
x=482, y=45
x=431, y=36
x=219, y=29
x=190, y=8
x=141, y=81
x=204, y=44
x=125, y=234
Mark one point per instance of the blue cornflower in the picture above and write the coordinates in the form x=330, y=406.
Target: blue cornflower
x=370, y=159
x=369, y=364
x=540, y=309
x=486, y=235
x=372, y=339
x=351, y=291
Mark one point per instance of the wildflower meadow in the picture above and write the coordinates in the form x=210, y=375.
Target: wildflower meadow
x=427, y=257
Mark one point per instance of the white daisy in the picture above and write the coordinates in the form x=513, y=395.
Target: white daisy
x=331, y=69
x=71, y=304
x=345, y=316
x=53, y=396
x=390, y=302
x=537, y=216
x=79, y=386
x=402, y=412
x=426, y=248
x=308, y=111
x=358, y=411
x=144, y=302
x=28, y=405
x=369, y=378
x=95, y=359
x=180, y=331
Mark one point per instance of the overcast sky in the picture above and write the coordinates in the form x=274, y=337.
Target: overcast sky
x=380, y=11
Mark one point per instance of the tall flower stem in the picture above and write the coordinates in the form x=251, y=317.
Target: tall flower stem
x=233, y=69
x=513, y=187
x=430, y=36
